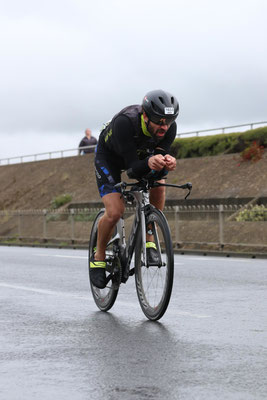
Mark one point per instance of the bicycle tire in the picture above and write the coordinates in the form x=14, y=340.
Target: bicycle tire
x=154, y=283
x=104, y=298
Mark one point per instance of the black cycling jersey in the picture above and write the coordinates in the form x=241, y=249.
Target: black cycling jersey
x=125, y=143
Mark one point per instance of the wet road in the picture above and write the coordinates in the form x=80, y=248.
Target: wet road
x=211, y=343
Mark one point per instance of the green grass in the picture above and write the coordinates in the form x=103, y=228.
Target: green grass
x=10, y=240
x=254, y=214
x=60, y=200
x=213, y=145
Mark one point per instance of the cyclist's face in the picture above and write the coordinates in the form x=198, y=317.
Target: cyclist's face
x=158, y=130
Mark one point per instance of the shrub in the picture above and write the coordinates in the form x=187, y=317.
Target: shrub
x=253, y=152
x=256, y=213
x=60, y=200
x=212, y=145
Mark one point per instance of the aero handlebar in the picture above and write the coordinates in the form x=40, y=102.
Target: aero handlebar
x=145, y=184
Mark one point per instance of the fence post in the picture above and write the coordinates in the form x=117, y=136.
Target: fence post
x=72, y=224
x=19, y=225
x=176, y=221
x=44, y=225
x=221, y=230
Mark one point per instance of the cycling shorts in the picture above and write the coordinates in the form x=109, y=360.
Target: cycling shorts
x=107, y=175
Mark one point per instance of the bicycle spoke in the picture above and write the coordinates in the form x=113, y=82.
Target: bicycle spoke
x=154, y=286
x=154, y=283
x=105, y=298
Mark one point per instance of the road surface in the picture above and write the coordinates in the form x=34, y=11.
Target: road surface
x=55, y=344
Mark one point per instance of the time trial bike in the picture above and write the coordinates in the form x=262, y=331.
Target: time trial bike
x=153, y=282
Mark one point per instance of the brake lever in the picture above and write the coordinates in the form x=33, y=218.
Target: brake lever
x=189, y=187
x=188, y=194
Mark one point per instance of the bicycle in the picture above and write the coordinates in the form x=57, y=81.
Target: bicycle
x=153, y=282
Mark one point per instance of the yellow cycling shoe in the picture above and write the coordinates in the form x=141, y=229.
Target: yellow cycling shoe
x=98, y=273
x=152, y=254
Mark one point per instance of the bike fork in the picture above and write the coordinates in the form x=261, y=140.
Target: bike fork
x=143, y=228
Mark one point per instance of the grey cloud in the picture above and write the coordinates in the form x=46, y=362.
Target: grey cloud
x=70, y=64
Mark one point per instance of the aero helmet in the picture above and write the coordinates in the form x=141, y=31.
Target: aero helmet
x=159, y=105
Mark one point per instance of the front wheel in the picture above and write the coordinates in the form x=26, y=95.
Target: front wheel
x=154, y=283
x=105, y=298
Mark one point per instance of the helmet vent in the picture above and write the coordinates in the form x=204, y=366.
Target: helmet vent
x=172, y=100
x=161, y=99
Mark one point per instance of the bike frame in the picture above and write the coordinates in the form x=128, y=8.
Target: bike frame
x=127, y=248
x=143, y=206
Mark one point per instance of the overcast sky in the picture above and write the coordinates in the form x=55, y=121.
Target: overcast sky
x=72, y=64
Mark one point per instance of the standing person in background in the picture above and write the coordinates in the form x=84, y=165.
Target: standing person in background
x=88, y=140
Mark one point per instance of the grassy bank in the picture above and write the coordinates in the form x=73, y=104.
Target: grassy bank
x=251, y=143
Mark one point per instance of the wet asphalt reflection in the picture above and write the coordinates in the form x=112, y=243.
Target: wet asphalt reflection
x=210, y=344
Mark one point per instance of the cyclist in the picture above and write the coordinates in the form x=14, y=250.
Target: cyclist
x=137, y=139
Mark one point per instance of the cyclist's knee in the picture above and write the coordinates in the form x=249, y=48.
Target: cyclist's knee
x=157, y=197
x=158, y=192
x=114, y=209
x=113, y=216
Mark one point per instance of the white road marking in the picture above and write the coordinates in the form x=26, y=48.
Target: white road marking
x=43, y=291
x=60, y=255
x=207, y=258
x=89, y=298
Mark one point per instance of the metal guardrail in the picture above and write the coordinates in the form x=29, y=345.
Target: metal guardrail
x=202, y=225
x=49, y=155
x=46, y=156
x=222, y=130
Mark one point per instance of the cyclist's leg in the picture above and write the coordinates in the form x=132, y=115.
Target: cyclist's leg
x=114, y=208
x=107, y=175
x=157, y=196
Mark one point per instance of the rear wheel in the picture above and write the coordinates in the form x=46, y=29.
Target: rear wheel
x=105, y=298
x=154, y=283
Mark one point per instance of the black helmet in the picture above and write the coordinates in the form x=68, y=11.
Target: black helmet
x=159, y=104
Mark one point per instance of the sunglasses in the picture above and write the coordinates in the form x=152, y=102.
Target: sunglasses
x=162, y=121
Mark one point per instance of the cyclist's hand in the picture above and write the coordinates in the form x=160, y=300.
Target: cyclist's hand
x=170, y=163
x=157, y=162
